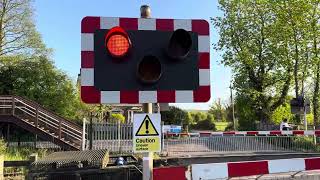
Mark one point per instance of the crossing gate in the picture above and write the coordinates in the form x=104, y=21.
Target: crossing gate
x=116, y=137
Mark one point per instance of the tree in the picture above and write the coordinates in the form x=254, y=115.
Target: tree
x=197, y=116
x=245, y=114
x=229, y=113
x=218, y=111
x=206, y=124
x=175, y=116
x=291, y=16
x=313, y=22
x=38, y=80
x=264, y=44
x=18, y=34
x=282, y=112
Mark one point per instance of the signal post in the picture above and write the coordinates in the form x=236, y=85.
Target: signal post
x=145, y=12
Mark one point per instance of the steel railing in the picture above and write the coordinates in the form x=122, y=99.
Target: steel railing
x=239, y=144
x=118, y=138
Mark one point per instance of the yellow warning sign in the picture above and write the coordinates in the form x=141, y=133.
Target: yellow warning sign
x=147, y=144
x=147, y=128
x=146, y=132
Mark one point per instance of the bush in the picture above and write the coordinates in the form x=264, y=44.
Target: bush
x=230, y=127
x=206, y=124
x=3, y=147
x=245, y=113
x=23, y=153
x=118, y=118
x=282, y=112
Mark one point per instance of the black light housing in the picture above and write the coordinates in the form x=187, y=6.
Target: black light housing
x=149, y=69
x=180, y=44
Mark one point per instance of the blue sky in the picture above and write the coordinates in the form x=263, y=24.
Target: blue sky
x=58, y=21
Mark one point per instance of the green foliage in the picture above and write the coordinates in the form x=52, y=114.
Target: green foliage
x=206, y=124
x=229, y=113
x=221, y=126
x=218, y=111
x=3, y=147
x=272, y=47
x=38, y=80
x=229, y=127
x=23, y=153
x=310, y=119
x=18, y=34
x=189, y=120
x=306, y=143
x=175, y=116
x=118, y=118
x=197, y=116
x=245, y=114
x=282, y=112
x=100, y=112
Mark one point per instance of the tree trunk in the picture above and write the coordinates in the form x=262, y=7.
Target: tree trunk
x=316, y=93
x=1, y=23
x=316, y=98
x=296, y=68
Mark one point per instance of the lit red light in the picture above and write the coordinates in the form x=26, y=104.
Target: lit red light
x=118, y=45
x=117, y=42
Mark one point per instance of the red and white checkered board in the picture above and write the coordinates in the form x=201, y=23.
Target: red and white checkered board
x=91, y=95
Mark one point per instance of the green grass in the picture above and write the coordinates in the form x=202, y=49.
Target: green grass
x=22, y=153
x=221, y=126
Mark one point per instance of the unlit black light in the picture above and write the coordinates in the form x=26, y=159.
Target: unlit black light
x=149, y=69
x=180, y=44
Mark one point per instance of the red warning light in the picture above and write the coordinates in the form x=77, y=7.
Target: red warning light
x=117, y=42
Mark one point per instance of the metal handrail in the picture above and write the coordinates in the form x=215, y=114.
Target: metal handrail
x=43, y=111
x=62, y=128
x=49, y=112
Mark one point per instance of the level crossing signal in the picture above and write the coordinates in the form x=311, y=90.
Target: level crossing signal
x=144, y=60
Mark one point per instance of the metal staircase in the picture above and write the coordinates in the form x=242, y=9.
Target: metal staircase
x=41, y=121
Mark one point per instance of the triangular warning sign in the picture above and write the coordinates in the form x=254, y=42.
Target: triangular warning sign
x=147, y=128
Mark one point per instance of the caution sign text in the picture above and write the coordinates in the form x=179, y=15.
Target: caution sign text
x=151, y=144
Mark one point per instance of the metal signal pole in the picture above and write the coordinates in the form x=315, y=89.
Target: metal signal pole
x=147, y=170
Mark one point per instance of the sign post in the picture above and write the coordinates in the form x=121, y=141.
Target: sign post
x=145, y=12
x=147, y=139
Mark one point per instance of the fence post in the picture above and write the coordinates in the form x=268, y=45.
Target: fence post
x=90, y=131
x=13, y=106
x=314, y=136
x=84, y=134
x=119, y=134
x=162, y=136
